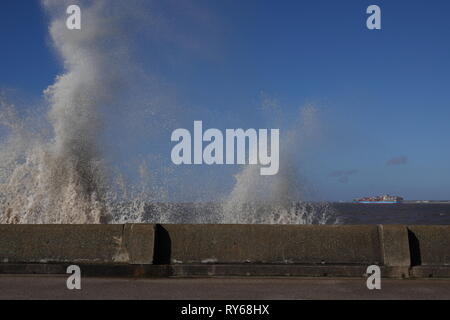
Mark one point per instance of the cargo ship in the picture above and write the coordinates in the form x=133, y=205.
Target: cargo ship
x=385, y=199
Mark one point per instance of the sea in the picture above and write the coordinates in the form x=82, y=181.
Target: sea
x=301, y=213
x=401, y=213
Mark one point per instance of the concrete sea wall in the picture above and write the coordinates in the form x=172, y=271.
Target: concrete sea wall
x=226, y=250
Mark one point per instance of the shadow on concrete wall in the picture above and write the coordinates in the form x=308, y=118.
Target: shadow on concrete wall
x=163, y=246
x=414, y=249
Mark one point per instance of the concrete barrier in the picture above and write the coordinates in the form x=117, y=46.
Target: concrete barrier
x=395, y=245
x=431, y=245
x=274, y=244
x=430, y=251
x=226, y=250
x=93, y=244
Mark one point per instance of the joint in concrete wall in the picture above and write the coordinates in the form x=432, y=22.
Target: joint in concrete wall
x=163, y=246
x=138, y=239
x=430, y=245
x=395, y=245
x=414, y=249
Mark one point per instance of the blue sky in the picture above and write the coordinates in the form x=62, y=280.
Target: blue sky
x=383, y=95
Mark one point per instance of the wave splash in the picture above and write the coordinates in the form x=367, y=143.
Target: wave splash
x=279, y=199
x=60, y=177
x=52, y=164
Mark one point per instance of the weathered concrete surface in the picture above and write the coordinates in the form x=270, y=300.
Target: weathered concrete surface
x=204, y=270
x=139, y=242
x=76, y=243
x=395, y=245
x=430, y=272
x=395, y=250
x=430, y=251
x=430, y=245
x=276, y=244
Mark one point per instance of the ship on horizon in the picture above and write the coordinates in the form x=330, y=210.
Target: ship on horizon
x=384, y=199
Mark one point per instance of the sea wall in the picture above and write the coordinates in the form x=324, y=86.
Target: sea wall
x=227, y=250
x=90, y=244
